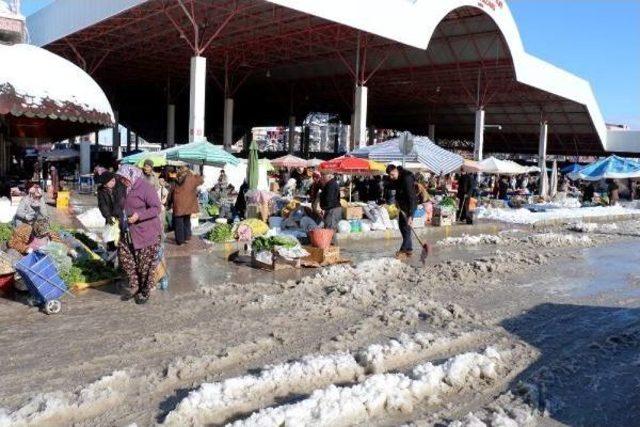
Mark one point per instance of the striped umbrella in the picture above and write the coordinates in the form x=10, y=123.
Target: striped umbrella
x=289, y=161
x=436, y=159
x=202, y=153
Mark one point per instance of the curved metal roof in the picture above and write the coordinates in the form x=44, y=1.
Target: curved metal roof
x=429, y=61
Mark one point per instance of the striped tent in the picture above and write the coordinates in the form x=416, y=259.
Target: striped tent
x=436, y=159
x=202, y=153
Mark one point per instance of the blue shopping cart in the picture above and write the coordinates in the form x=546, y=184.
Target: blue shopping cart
x=43, y=281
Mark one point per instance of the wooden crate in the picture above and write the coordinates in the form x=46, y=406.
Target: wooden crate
x=352, y=212
x=328, y=256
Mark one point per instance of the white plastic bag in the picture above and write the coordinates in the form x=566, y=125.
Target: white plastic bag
x=111, y=233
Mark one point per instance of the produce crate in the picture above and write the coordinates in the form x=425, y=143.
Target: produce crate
x=63, y=200
x=328, y=256
x=440, y=221
x=352, y=212
x=279, y=263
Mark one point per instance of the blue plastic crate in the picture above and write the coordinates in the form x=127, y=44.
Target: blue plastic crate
x=41, y=277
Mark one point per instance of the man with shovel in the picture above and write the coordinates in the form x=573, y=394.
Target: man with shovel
x=406, y=201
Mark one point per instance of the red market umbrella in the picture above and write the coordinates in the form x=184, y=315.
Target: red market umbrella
x=352, y=166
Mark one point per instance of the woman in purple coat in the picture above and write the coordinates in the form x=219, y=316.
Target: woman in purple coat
x=141, y=228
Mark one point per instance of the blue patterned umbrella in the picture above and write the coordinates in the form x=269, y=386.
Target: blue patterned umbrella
x=613, y=167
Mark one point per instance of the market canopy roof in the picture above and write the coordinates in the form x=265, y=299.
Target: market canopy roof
x=426, y=62
x=60, y=155
x=44, y=95
x=436, y=159
x=613, y=167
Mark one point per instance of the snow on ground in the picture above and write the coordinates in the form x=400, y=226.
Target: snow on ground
x=382, y=393
x=524, y=216
x=468, y=240
x=51, y=408
x=215, y=402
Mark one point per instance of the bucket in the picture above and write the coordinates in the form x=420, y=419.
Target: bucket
x=63, y=200
x=321, y=237
x=275, y=222
x=6, y=283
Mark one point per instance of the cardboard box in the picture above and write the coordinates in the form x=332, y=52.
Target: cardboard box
x=352, y=212
x=328, y=256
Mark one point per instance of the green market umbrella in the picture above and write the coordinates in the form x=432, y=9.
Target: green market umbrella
x=253, y=167
x=202, y=153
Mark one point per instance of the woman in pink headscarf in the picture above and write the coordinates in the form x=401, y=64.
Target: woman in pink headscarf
x=140, y=223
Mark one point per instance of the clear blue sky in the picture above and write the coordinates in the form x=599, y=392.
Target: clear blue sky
x=598, y=40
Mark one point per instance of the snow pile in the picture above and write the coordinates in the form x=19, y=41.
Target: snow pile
x=524, y=216
x=214, y=402
x=512, y=409
x=362, y=281
x=381, y=393
x=91, y=218
x=591, y=227
x=41, y=77
x=468, y=240
x=583, y=227
x=556, y=239
x=67, y=408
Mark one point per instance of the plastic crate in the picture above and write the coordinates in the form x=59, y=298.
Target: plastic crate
x=41, y=277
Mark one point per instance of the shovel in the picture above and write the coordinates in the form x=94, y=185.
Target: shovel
x=426, y=247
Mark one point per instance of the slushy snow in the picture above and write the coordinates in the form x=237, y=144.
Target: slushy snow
x=524, y=216
x=215, y=402
x=380, y=394
x=44, y=409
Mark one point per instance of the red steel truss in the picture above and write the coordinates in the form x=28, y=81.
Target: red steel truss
x=274, y=60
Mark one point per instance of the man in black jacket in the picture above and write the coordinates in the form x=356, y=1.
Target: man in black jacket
x=330, y=202
x=406, y=200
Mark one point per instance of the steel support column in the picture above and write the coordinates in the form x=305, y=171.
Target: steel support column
x=291, y=137
x=227, y=138
x=85, y=156
x=171, y=125
x=360, y=118
x=478, y=146
x=115, y=136
x=197, y=98
x=432, y=133
x=542, y=146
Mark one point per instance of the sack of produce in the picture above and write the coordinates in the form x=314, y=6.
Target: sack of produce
x=344, y=227
x=257, y=226
x=221, y=233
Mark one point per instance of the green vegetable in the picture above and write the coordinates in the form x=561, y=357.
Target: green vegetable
x=268, y=243
x=448, y=202
x=88, y=271
x=213, y=210
x=5, y=233
x=221, y=233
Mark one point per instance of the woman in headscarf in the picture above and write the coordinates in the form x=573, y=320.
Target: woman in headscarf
x=140, y=223
x=31, y=207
